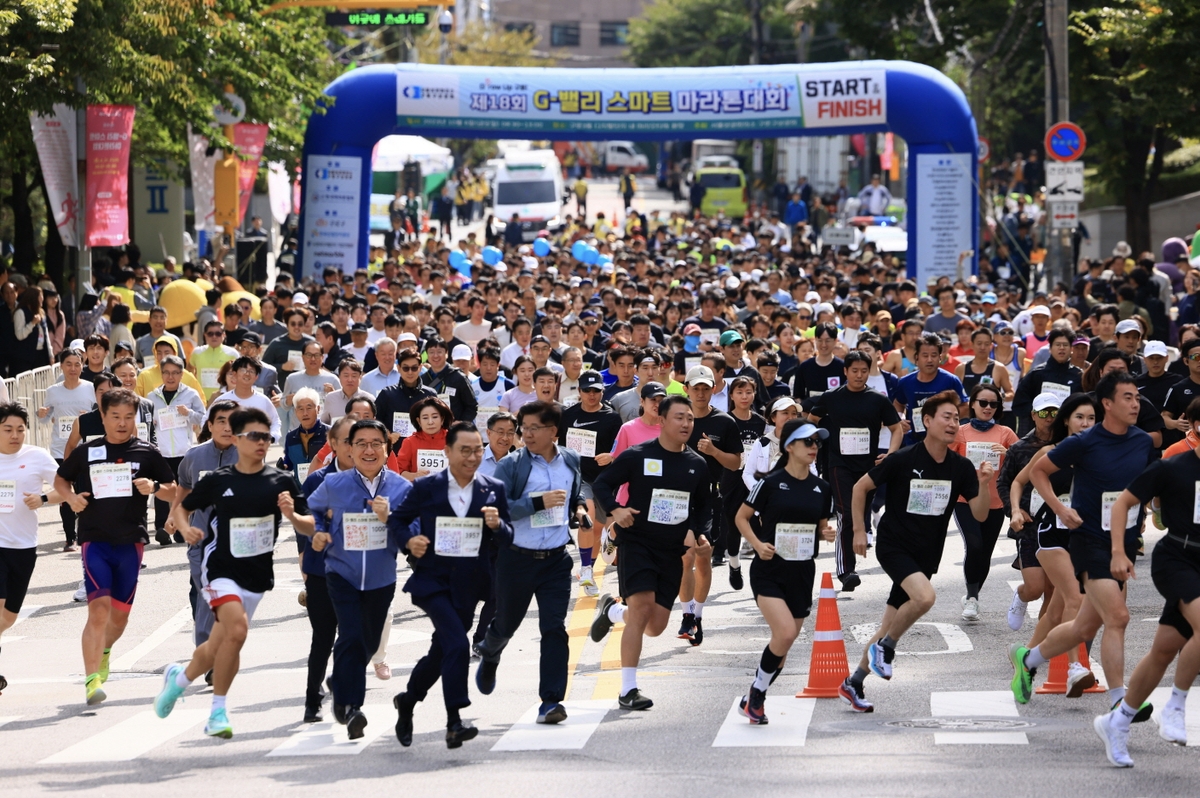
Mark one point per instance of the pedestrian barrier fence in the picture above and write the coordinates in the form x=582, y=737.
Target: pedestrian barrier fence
x=29, y=388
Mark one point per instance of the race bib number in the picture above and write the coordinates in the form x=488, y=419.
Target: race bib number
x=458, y=537
x=1058, y=389
x=690, y=363
x=430, y=460
x=1066, y=500
x=746, y=449
x=928, y=496
x=1035, y=502
x=363, y=532
x=549, y=516
x=482, y=415
x=855, y=440
x=582, y=441
x=63, y=426
x=795, y=541
x=979, y=452
x=111, y=480
x=444, y=398
x=251, y=537
x=710, y=336
x=8, y=495
x=169, y=418
x=143, y=431
x=918, y=422
x=296, y=359
x=1107, y=500
x=302, y=471
x=1195, y=504
x=402, y=424
x=668, y=506
x=208, y=378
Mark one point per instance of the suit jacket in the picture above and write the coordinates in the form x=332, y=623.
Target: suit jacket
x=467, y=580
x=513, y=472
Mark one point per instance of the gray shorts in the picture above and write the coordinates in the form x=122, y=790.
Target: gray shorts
x=588, y=494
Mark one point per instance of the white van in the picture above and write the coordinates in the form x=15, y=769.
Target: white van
x=618, y=155
x=529, y=184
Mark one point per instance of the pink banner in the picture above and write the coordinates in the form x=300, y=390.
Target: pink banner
x=109, y=135
x=249, y=141
x=297, y=194
x=54, y=136
x=889, y=151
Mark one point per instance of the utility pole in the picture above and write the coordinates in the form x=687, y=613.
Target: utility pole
x=756, y=42
x=1057, y=110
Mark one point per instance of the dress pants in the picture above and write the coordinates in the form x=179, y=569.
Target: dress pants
x=361, y=615
x=449, y=655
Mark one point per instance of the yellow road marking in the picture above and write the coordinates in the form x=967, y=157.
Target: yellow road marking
x=580, y=623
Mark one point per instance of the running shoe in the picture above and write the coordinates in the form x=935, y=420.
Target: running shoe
x=588, y=582
x=735, y=578
x=970, y=608
x=551, y=712
x=80, y=594
x=753, y=707
x=634, y=700
x=601, y=623
x=218, y=725
x=718, y=560
x=1079, y=679
x=162, y=538
x=1143, y=714
x=92, y=690
x=698, y=632
x=171, y=692
x=850, y=581
x=608, y=547
x=3, y=683
x=1016, y=612
x=104, y=665
x=1022, y=680
x=1172, y=726
x=686, y=628
x=853, y=695
x=1115, y=741
x=880, y=657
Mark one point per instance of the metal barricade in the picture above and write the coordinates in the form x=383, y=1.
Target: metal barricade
x=29, y=388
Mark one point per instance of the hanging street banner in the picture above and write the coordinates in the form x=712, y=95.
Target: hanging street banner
x=249, y=139
x=203, y=188
x=109, y=133
x=55, y=138
x=332, y=209
x=628, y=101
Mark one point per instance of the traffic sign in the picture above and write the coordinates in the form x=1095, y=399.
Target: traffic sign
x=838, y=236
x=1064, y=181
x=1064, y=215
x=985, y=150
x=1065, y=142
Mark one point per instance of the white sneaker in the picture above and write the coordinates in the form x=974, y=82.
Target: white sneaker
x=1079, y=679
x=80, y=594
x=1172, y=726
x=1016, y=612
x=608, y=547
x=970, y=610
x=875, y=516
x=1116, y=742
x=587, y=582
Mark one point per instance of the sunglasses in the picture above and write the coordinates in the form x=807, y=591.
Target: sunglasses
x=804, y=318
x=1195, y=358
x=257, y=437
x=215, y=334
x=813, y=441
x=410, y=368
x=987, y=403
x=1051, y=413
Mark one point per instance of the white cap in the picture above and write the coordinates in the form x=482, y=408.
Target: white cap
x=698, y=375
x=824, y=307
x=812, y=296
x=530, y=262
x=524, y=249
x=299, y=298
x=461, y=352
x=501, y=267
x=732, y=283
x=77, y=345
x=406, y=337
x=1039, y=310
x=1155, y=349
x=782, y=403
x=1046, y=400
x=1128, y=326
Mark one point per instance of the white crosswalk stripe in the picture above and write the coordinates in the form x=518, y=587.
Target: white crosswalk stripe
x=130, y=738
x=984, y=704
x=788, y=720
x=583, y=718
x=329, y=738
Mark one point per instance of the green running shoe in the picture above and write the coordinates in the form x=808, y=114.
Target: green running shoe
x=1022, y=680
x=1143, y=714
x=94, y=694
x=218, y=725
x=104, y=665
x=171, y=692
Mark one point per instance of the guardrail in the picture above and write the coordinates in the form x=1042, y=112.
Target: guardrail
x=29, y=388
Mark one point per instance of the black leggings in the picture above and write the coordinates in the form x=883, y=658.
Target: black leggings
x=979, y=539
x=68, y=517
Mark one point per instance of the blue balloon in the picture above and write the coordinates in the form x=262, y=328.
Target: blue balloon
x=460, y=262
x=492, y=256
x=541, y=247
x=603, y=259
x=578, y=248
x=591, y=255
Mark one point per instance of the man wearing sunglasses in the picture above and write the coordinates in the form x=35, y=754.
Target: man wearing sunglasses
x=206, y=361
x=1183, y=392
x=248, y=500
x=285, y=353
x=393, y=404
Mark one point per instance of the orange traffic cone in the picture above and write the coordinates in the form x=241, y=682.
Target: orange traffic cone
x=1056, y=681
x=829, y=666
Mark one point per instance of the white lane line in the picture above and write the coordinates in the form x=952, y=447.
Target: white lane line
x=1159, y=698
x=130, y=738
x=329, y=738
x=956, y=639
x=156, y=639
x=1034, y=609
x=788, y=724
x=583, y=718
x=985, y=704
x=26, y=611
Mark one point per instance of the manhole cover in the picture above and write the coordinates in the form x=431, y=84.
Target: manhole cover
x=963, y=724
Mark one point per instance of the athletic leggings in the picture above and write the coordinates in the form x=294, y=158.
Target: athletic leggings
x=979, y=539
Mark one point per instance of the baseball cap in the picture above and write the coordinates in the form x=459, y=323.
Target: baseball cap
x=1155, y=349
x=653, y=389
x=461, y=352
x=988, y=298
x=539, y=339
x=782, y=403
x=1128, y=326
x=1044, y=401
x=730, y=337
x=698, y=375
x=1082, y=340
x=299, y=298
x=358, y=326
x=1039, y=310
x=692, y=329
x=591, y=381
x=406, y=337
x=806, y=431
x=252, y=338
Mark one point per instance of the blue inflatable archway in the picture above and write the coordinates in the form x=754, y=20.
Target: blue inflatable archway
x=916, y=102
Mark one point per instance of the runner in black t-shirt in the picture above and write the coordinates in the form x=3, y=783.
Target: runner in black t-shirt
x=751, y=427
x=716, y=436
x=853, y=415
x=666, y=515
x=821, y=373
x=108, y=482
x=1175, y=569
x=924, y=482
x=793, y=507
x=248, y=500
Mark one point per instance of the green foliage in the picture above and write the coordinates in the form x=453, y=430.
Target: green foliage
x=483, y=45
x=680, y=33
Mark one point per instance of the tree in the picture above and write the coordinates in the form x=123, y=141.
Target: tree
x=682, y=33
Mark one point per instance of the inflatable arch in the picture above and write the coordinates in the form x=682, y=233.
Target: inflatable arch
x=916, y=102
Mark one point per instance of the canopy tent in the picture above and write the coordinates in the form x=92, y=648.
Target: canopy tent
x=392, y=152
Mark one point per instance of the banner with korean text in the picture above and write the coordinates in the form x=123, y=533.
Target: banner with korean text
x=109, y=135
x=55, y=138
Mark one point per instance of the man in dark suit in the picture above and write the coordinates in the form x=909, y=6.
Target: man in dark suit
x=463, y=516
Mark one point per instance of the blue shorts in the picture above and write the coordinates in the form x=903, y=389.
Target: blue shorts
x=112, y=570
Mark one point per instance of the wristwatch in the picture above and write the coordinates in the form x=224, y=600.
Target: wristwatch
x=45, y=499
x=157, y=485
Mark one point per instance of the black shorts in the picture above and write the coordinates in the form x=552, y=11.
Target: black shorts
x=1175, y=570
x=16, y=569
x=655, y=569
x=1051, y=536
x=899, y=564
x=1172, y=616
x=1027, y=549
x=790, y=581
x=1093, y=556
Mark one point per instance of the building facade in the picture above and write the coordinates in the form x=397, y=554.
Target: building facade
x=590, y=34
